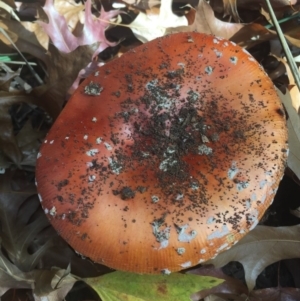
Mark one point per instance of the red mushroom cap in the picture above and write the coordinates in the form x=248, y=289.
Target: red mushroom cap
x=166, y=156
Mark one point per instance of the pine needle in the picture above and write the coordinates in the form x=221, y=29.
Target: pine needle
x=285, y=46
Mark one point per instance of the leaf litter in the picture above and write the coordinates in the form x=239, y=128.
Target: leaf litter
x=65, y=41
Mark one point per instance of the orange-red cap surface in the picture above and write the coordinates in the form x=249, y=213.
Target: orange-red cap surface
x=166, y=156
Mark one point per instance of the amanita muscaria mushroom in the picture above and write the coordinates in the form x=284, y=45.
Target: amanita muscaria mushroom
x=166, y=156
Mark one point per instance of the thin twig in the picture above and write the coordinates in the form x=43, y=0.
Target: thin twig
x=285, y=46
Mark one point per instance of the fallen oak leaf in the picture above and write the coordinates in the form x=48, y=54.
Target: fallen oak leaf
x=276, y=294
x=93, y=30
x=204, y=21
x=73, y=12
x=230, y=287
x=260, y=248
x=54, y=281
x=293, y=89
x=293, y=124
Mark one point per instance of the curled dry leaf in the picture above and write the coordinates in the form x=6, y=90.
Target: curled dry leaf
x=48, y=285
x=11, y=276
x=53, y=284
x=23, y=223
x=260, y=248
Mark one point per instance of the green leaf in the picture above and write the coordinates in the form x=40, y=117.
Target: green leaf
x=121, y=286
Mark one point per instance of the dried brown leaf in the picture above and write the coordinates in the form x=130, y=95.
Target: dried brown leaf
x=148, y=26
x=56, y=281
x=11, y=276
x=293, y=89
x=224, y=6
x=252, y=34
x=293, y=124
x=24, y=39
x=38, y=33
x=142, y=5
x=62, y=71
x=296, y=212
x=11, y=3
x=8, y=142
x=227, y=297
x=260, y=248
x=230, y=8
x=48, y=285
x=22, y=226
x=229, y=287
x=276, y=294
x=72, y=11
x=28, y=140
x=206, y=22
x=7, y=10
x=20, y=149
x=269, y=294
